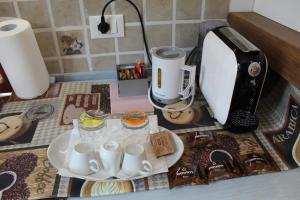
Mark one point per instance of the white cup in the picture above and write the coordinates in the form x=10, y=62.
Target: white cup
x=82, y=160
x=111, y=156
x=134, y=162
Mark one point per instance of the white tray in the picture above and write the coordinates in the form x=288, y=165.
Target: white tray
x=57, y=153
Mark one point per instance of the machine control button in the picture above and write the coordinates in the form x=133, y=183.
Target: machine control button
x=254, y=69
x=253, y=82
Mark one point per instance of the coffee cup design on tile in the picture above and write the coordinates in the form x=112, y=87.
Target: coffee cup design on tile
x=7, y=180
x=83, y=160
x=111, y=156
x=296, y=151
x=219, y=155
x=134, y=162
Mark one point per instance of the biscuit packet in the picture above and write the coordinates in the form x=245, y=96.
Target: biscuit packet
x=254, y=164
x=218, y=163
x=181, y=174
x=198, y=139
x=253, y=157
x=186, y=171
x=225, y=169
x=162, y=143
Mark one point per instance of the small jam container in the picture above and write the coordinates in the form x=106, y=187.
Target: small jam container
x=135, y=119
x=92, y=121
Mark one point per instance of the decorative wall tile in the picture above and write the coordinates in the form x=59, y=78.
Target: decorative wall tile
x=7, y=9
x=66, y=12
x=186, y=35
x=75, y=65
x=159, y=10
x=133, y=40
x=46, y=43
x=188, y=10
x=159, y=35
x=129, y=12
x=35, y=12
x=69, y=29
x=104, y=63
x=131, y=58
x=94, y=7
x=52, y=66
x=71, y=42
x=97, y=46
x=216, y=9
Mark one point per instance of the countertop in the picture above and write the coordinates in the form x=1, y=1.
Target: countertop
x=275, y=186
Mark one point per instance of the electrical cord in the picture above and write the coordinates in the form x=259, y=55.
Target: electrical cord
x=170, y=109
x=104, y=27
x=190, y=55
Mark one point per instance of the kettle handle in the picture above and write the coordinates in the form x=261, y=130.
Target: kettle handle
x=189, y=89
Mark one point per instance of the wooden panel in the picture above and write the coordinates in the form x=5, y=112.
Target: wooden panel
x=281, y=44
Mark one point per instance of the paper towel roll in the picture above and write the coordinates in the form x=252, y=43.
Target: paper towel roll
x=21, y=59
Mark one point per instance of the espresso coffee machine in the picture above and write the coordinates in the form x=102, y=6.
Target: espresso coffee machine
x=232, y=75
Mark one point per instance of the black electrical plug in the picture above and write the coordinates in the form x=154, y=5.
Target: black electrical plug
x=103, y=27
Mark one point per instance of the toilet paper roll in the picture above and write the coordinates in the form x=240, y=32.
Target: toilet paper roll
x=21, y=59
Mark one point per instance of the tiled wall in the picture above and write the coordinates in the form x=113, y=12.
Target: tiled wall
x=62, y=29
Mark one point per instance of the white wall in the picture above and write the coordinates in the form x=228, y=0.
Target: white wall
x=286, y=12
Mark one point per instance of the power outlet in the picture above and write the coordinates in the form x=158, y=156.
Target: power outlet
x=116, y=23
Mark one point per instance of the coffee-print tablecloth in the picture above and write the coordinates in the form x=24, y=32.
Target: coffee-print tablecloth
x=210, y=154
